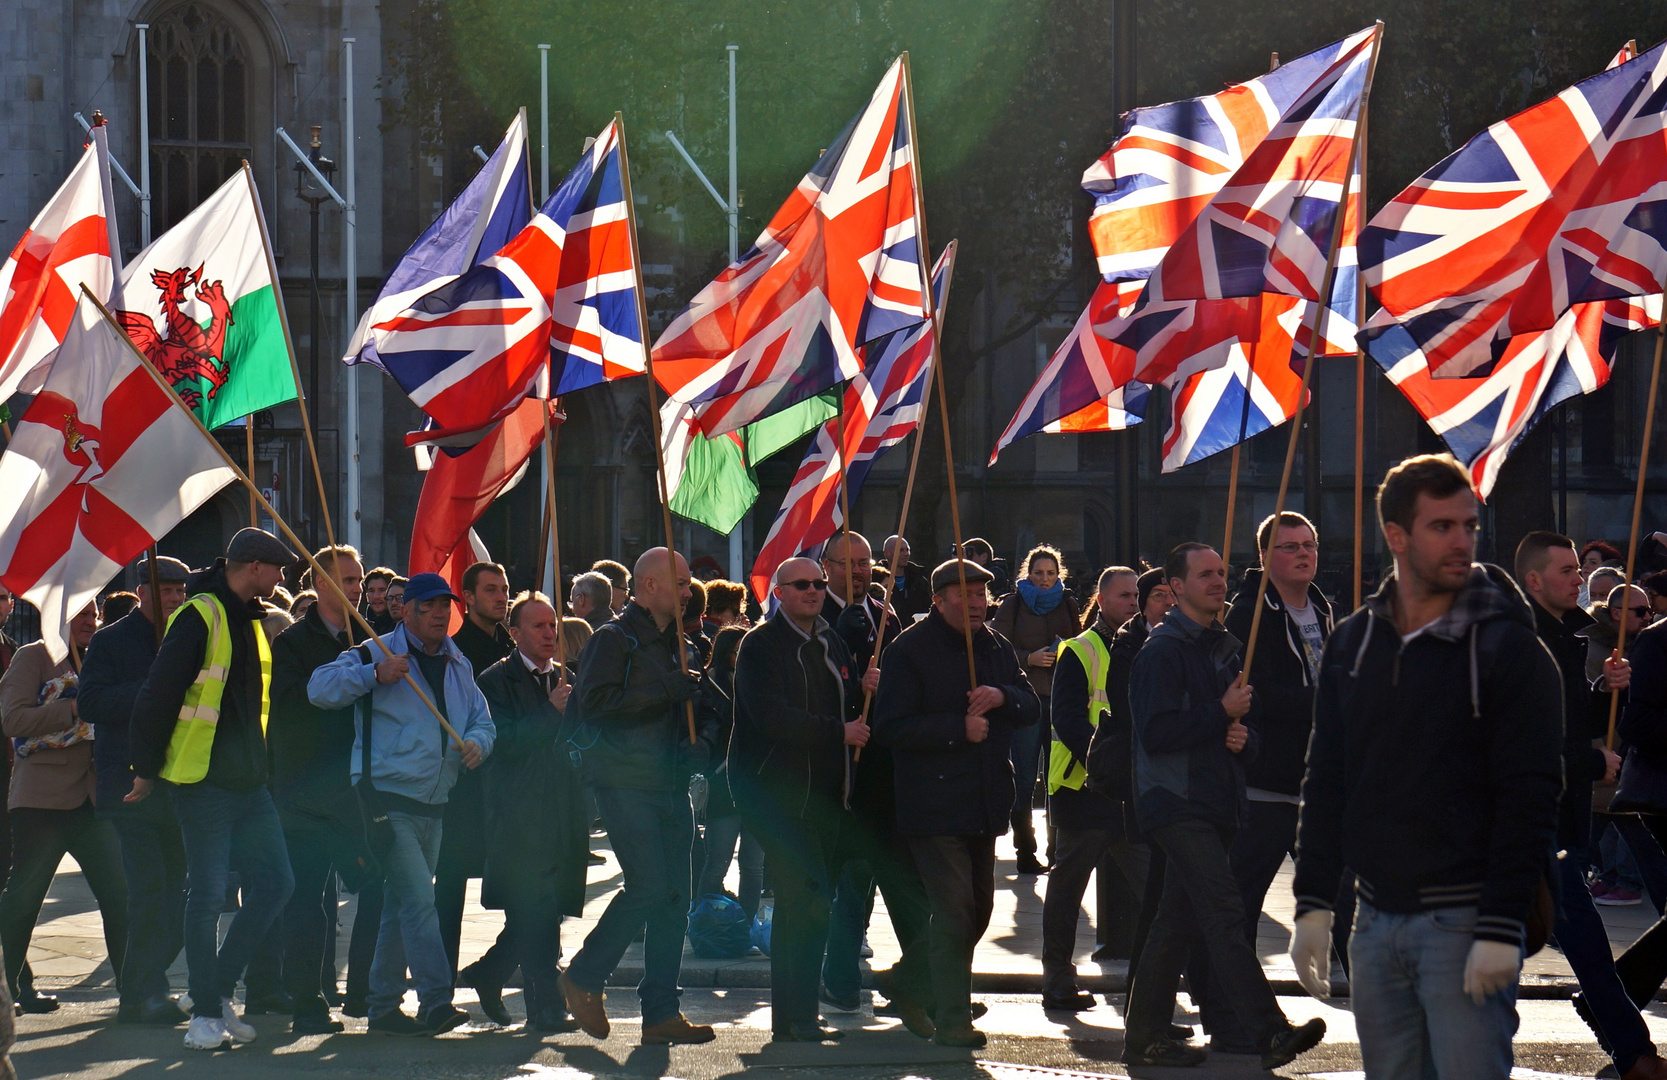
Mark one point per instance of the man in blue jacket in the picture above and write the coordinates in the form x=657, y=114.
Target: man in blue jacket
x=412, y=765
x=1193, y=725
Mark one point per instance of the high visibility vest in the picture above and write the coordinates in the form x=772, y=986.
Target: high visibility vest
x=1064, y=770
x=193, y=740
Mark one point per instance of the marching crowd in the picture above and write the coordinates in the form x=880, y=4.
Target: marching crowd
x=1429, y=761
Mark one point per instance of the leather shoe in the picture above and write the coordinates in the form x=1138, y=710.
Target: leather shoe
x=552, y=1022
x=1648, y=1067
x=587, y=1008
x=492, y=1004
x=1166, y=1053
x=273, y=1001
x=1180, y=1034
x=808, y=1031
x=356, y=1007
x=915, y=1017
x=1077, y=1001
x=1292, y=1043
x=965, y=1037
x=676, y=1030
x=155, y=1010
x=442, y=1018
x=34, y=1002
x=1029, y=865
x=316, y=1024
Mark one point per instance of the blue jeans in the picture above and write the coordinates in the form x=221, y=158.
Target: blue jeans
x=224, y=830
x=410, y=930
x=853, y=905
x=721, y=834
x=1581, y=937
x=1414, y=1019
x=650, y=832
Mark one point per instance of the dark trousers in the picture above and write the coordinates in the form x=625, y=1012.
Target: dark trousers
x=1025, y=753
x=1199, y=890
x=153, y=862
x=802, y=856
x=1584, y=942
x=223, y=829
x=1643, y=966
x=40, y=839
x=463, y=856
x=870, y=862
x=318, y=847
x=361, y=943
x=721, y=835
x=651, y=833
x=532, y=920
x=959, y=875
x=1078, y=853
x=853, y=906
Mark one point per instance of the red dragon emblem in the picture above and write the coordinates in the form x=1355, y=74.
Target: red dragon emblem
x=190, y=357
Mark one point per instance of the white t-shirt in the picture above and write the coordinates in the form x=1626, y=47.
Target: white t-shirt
x=1308, y=626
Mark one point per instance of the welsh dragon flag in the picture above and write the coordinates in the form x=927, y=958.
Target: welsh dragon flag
x=202, y=304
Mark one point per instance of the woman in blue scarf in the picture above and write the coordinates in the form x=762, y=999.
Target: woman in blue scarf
x=1035, y=617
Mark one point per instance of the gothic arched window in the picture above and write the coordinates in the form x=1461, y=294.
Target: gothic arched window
x=199, y=108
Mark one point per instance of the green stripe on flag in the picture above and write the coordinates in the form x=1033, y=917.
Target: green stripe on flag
x=258, y=375
x=718, y=486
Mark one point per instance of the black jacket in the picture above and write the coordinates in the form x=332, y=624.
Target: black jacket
x=873, y=783
x=911, y=592
x=1585, y=717
x=481, y=649
x=945, y=785
x=466, y=806
x=1435, y=768
x=114, y=668
x=631, y=694
x=794, y=693
x=1182, y=768
x=858, y=625
x=537, y=817
x=1280, y=678
x=1080, y=808
x=238, y=760
x=312, y=748
x=715, y=712
x=1643, y=725
x=1111, y=753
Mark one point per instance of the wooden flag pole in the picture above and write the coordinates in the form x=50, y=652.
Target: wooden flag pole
x=249, y=456
x=1322, y=309
x=550, y=437
x=283, y=526
x=155, y=595
x=1637, y=512
x=1360, y=377
x=653, y=411
x=925, y=248
x=844, y=500
x=294, y=368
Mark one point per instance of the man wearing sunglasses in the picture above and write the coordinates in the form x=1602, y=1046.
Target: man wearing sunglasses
x=798, y=705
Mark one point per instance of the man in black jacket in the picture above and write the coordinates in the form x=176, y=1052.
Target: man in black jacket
x=632, y=694
x=217, y=771
x=911, y=586
x=311, y=762
x=1433, y=774
x=1548, y=569
x=537, y=816
x=798, y=703
x=153, y=856
x=1193, y=720
x=949, y=742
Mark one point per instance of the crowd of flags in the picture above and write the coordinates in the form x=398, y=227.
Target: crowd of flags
x=1228, y=229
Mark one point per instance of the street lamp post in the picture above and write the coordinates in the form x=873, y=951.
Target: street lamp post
x=314, y=196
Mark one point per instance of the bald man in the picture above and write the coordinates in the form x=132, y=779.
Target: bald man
x=631, y=693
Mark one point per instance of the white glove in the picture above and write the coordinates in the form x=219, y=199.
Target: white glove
x=1491, y=967
x=1311, y=952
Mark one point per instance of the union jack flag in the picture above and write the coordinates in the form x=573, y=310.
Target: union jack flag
x=881, y=407
x=1269, y=230
x=557, y=303
x=837, y=267
x=495, y=206
x=1557, y=205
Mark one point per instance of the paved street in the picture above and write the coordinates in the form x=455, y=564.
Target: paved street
x=81, y=1041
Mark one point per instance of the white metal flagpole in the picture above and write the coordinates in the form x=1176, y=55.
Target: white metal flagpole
x=350, y=271
x=144, y=137
x=543, y=124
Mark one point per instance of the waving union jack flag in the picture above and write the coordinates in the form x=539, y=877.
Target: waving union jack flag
x=1558, y=205
x=837, y=267
x=882, y=406
x=558, y=300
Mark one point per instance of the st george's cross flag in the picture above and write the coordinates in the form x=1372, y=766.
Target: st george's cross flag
x=102, y=464
x=558, y=303
x=72, y=242
x=202, y=303
x=837, y=267
x=1268, y=231
x=494, y=207
x=1558, y=205
x=882, y=406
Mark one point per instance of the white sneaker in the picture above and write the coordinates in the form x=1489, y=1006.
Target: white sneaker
x=237, y=1027
x=206, y=1033
x=185, y=1004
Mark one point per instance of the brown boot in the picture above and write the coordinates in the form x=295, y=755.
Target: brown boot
x=1648, y=1067
x=677, y=1030
x=586, y=1007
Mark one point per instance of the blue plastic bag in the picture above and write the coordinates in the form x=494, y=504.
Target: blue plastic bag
x=718, y=928
x=761, y=928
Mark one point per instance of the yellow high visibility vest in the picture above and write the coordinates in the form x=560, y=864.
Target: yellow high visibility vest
x=1064, y=770
x=193, y=739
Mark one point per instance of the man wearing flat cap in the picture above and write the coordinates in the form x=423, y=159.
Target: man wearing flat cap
x=199, y=732
x=404, y=765
x=949, y=743
x=153, y=856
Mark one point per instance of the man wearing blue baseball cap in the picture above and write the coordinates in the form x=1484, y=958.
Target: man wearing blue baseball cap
x=404, y=766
